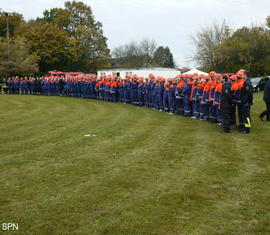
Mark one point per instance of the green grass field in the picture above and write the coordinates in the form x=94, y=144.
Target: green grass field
x=145, y=172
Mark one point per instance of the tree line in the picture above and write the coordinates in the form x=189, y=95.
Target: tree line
x=71, y=39
x=68, y=39
x=143, y=54
x=65, y=39
x=220, y=48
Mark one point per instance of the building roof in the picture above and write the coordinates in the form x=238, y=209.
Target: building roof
x=192, y=71
x=148, y=69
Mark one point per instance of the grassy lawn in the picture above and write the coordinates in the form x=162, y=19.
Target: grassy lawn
x=145, y=172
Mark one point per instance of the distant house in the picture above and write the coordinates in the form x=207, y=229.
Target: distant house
x=115, y=62
x=143, y=72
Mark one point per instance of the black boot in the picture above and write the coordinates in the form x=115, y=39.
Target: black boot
x=261, y=117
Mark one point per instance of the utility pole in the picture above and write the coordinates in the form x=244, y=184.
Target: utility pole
x=6, y=14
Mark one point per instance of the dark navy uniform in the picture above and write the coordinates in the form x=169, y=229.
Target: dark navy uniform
x=225, y=105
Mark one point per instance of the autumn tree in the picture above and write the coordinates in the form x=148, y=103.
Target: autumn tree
x=16, y=59
x=12, y=20
x=205, y=41
x=66, y=38
x=84, y=37
x=52, y=46
x=248, y=48
x=92, y=44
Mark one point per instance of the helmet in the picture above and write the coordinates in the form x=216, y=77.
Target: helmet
x=212, y=73
x=240, y=74
x=152, y=76
x=233, y=77
x=242, y=70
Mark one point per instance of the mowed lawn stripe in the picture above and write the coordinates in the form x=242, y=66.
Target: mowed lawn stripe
x=45, y=124
x=178, y=182
x=49, y=144
x=49, y=108
x=125, y=176
x=48, y=172
x=46, y=147
x=34, y=104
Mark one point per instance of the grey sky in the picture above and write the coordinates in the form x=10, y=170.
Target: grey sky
x=169, y=22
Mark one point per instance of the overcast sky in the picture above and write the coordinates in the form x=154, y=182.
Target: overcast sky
x=169, y=22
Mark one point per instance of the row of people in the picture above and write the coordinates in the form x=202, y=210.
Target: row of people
x=215, y=98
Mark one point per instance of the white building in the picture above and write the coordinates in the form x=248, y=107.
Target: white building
x=192, y=71
x=143, y=72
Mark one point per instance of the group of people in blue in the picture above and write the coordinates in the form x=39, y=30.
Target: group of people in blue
x=217, y=98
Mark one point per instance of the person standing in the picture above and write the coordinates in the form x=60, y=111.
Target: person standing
x=114, y=90
x=213, y=76
x=140, y=91
x=159, y=94
x=234, y=84
x=216, y=101
x=186, y=94
x=179, y=105
x=204, y=109
x=194, y=99
x=266, y=98
x=226, y=104
x=61, y=85
x=167, y=102
x=246, y=102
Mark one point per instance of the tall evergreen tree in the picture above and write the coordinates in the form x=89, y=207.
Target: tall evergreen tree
x=163, y=57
